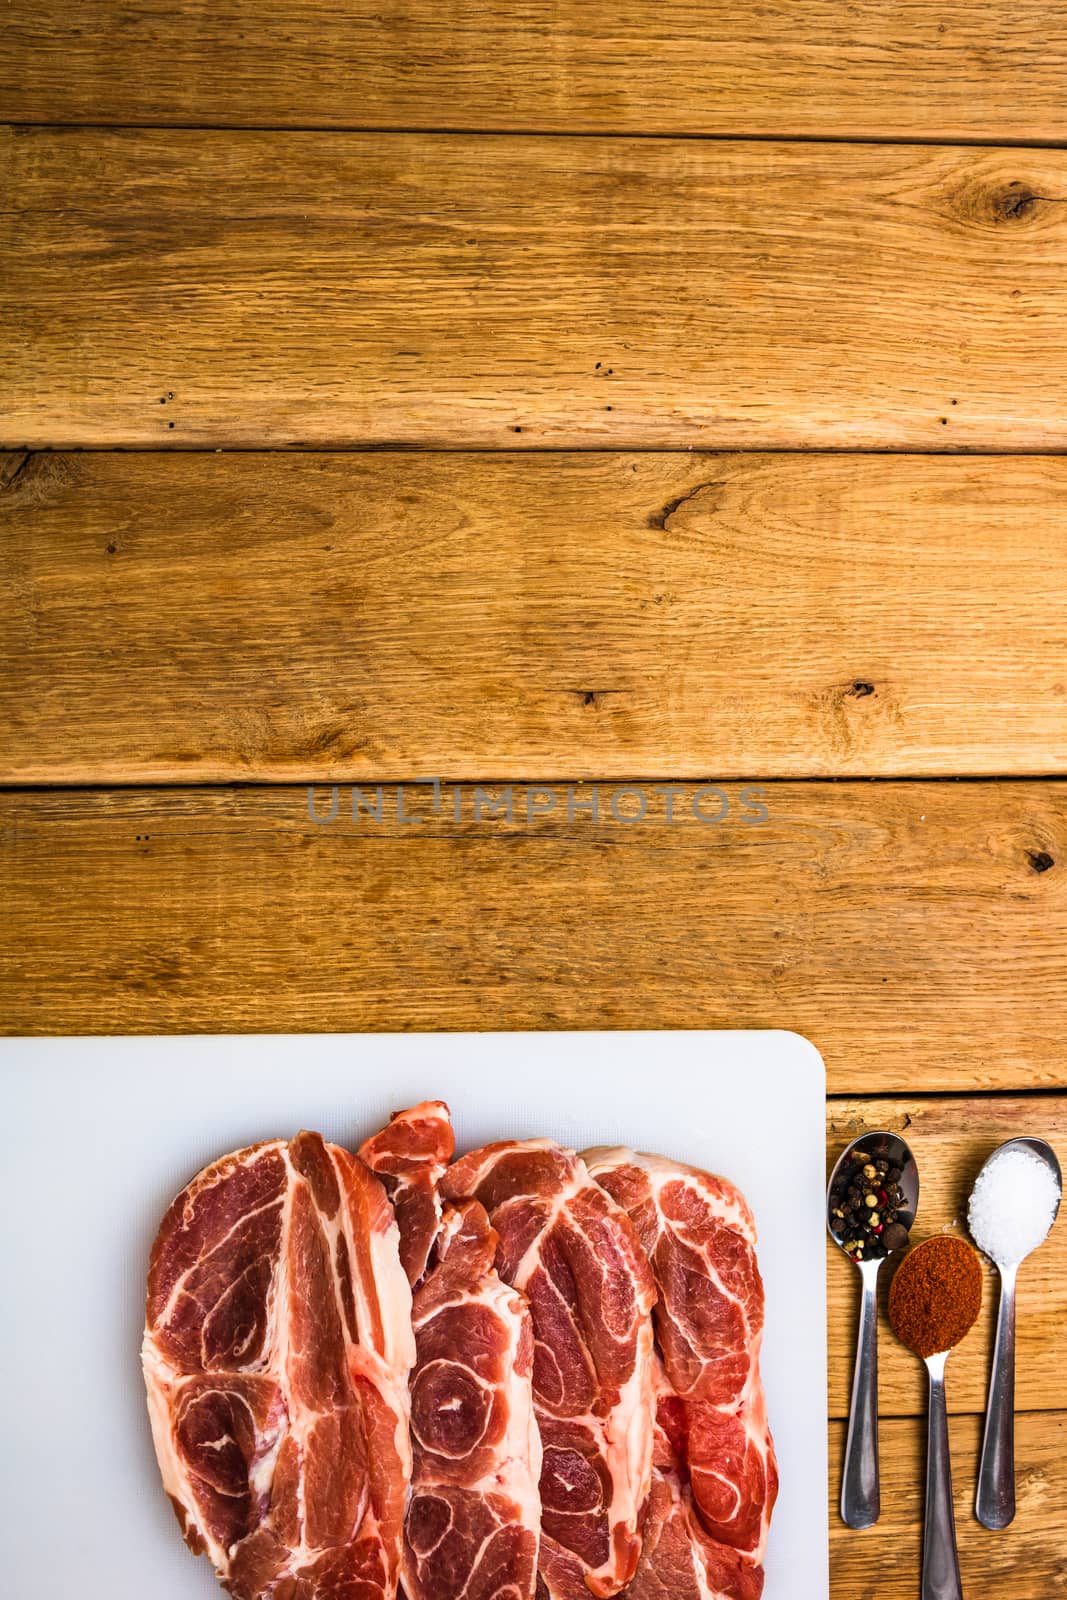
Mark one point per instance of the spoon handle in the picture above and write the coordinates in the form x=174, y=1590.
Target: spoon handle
x=941, y=1566
x=996, y=1476
x=860, y=1494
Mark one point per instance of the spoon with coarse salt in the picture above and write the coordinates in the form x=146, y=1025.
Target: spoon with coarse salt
x=1013, y=1206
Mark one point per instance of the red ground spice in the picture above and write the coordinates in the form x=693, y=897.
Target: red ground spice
x=936, y=1295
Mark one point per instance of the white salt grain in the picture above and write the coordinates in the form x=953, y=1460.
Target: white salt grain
x=1013, y=1205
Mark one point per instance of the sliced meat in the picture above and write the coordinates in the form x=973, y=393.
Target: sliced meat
x=700, y=1237
x=474, y=1520
x=410, y=1156
x=574, y=1253
x=679, y=1560
x=276, y=1356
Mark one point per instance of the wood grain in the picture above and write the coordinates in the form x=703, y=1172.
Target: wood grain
x=372, y=616
x=291, y=289
x=951, y=1138
x=914, y=932
x=888, y=69
x=1028, y=1561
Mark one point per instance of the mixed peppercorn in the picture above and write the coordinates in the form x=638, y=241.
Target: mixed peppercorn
x=865, y=1203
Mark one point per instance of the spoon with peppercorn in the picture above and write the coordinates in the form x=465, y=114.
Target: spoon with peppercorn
x=871, y=1202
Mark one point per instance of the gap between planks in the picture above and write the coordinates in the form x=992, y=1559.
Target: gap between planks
x=724, y=136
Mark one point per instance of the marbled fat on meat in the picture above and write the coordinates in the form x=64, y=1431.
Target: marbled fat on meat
x=410, y=1157
x=276, y=1355
x=573, y=1252
x=700, y=1237
x=474, y=1519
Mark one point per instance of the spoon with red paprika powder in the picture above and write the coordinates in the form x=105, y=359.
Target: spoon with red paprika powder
x=934, y=1301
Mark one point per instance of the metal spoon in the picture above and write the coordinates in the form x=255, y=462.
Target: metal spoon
x=995, y=1504
x=860, y=1493
x=941, y=1562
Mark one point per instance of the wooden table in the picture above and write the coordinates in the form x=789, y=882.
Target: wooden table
x=727, y=457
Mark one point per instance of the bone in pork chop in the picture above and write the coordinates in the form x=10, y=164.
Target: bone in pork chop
x=679, y=1560
x=573, y=1252
x=474, y=1519
x=700, y=1237
x=276, y=1355
x=410, y=1156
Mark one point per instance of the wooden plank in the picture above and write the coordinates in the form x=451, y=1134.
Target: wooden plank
x=891, y=68
x=951, y=1138
x=1028, y=1561
x=336, y=289
x=371, y=616
x=913, y=931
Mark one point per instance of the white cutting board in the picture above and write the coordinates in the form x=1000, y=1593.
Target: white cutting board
x=100, y=1134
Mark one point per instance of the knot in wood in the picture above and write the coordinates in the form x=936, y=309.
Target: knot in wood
x=1014, y=203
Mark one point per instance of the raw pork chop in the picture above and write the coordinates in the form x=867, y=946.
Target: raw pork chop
x=475, y=1516
x=410, y=1156
x=679, y=1561
x=574, y=1254
x=700, y=1237
x=276, y=1354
